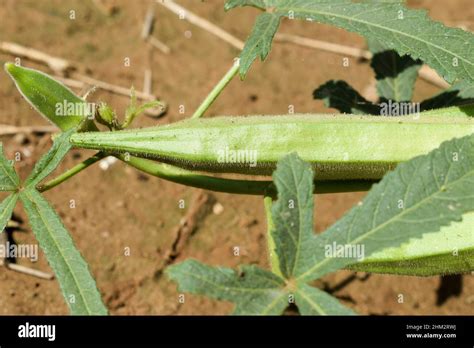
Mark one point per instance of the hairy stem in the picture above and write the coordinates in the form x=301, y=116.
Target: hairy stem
x=217, y=90
x=211, y=183
x=71, y=172
x=235, y=186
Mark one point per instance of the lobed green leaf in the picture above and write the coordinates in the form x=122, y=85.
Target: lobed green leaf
x=449, y=251
x=420, y=196
x=77, y=284
x=51, y=160
x=9, y=180
x=395, y=75
x=412, y=32
x=253, y=290
x=256, y=291
x=293, y=212
x=259, y=42
x=312, y=301
x=6, y=210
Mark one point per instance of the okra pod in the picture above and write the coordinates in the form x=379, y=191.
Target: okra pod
x=340, y=147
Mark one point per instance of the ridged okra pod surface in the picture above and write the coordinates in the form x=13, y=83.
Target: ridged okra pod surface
x=338, y=146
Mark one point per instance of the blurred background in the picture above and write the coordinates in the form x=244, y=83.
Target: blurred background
x=116, y=207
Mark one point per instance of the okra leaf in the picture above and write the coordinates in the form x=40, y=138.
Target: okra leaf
x=291, y=230
x=57, y=103
x=9, y=180
x=6, y=210
x=77, y=284
x=461, y=93
x=134, y=109
x=312, y=301
x=253, y=290
x=449, y=251
x=420, y=196
x=408, y=31
x=51, y=160
x=395, y=75
x=259, y=42
x=292, y=213
x=341, y=96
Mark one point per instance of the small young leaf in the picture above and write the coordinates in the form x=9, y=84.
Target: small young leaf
x=341, y=96
x=293, y=212
x=259, y=42
x=420, y=196
x=132, y=107
x=447, y=50
x=50, y=98
x=449, y=251
x=6, y=210
x=461, y=93
x=148, y=105
x=395, y=75
x=78, y=286
x=9, y=180
x=312, y=301
x=51, y=160
x=133, y=110
x=253, y=290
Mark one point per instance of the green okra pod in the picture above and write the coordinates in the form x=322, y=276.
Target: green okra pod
x=340, y=147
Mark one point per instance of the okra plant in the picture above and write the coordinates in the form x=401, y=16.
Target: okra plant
x=418, y=165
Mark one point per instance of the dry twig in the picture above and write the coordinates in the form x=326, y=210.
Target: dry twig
x=147, y=81
x=201, y=22
x=63, y=67
x=159, y=45
x=9, y=130
x=147, y=30
x=58, y=65
x=19, y=268
x=426, y=73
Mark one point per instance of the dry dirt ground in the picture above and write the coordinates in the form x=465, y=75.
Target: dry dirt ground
x=121, y=208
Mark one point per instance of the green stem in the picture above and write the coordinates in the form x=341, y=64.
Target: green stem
x=272, y=256
x=71, y=172
x=217, y=90
x=211, y=183
x=235, y=186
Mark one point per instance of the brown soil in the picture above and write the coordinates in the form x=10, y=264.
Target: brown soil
x=121, y=207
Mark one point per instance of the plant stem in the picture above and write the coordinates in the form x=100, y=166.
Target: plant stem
x=190, y=178
x=71, y=172
x=272, y=256
x=211, y=183
x=235, y=186
x=217, y=90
